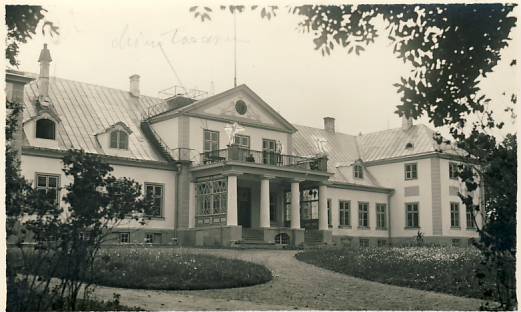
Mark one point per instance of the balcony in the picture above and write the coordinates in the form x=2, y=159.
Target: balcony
x=245, y=155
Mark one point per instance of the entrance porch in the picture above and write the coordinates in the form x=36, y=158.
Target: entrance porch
x=259, y=209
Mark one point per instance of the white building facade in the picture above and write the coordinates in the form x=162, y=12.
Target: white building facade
x=229, y=170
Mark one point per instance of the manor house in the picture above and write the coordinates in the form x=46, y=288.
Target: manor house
x=229, y=170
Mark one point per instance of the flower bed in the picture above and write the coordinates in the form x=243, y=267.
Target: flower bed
x=174, y=269
x=443, y=269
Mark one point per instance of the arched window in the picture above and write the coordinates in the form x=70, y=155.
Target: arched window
x=45, y=129
x=119, y=139
x=282, y=239
x=409, y=145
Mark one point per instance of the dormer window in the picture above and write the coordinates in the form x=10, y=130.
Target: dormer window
x=119, y=139
x=358, y=171
x=45, y=129
x=409, y=145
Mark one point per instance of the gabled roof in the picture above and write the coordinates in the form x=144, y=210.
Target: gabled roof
x=344, y=150
x=198, y=104
x=117, y=124
x=87, y=109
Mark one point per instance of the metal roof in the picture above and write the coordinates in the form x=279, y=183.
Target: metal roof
x=87, y=109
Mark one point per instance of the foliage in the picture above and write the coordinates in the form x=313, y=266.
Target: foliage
x=441, y=269
x=22, y=22
x=67, y=240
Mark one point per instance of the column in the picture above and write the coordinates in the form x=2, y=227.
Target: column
x=295, y=205
x=322, y=207
x=265, y=203
x=191, y=205
x=231, y=210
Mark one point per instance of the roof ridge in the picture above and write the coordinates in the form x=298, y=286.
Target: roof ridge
x=35, y=76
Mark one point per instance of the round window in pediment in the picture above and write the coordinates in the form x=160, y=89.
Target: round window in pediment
x=240, y=107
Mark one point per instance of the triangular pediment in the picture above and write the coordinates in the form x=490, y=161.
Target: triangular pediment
x=240, y=105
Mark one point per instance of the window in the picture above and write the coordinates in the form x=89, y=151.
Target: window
x=456, y=242
x=212, y=199
x=409, y=145
x=345, y=213
x=329, y=218
x=124, y=237
x=243, y=142
x=282, y=239
x=84, y=236
x=154, y=192
x=45, y=129
x=211, y=141
x=49, y=185
x=287, y=206
x=364, y=242
x=381, y=220
x=309, y=204
x=269, y=150
x=119, y=139
x=454, y=215
x=153, y=238
x=412, y=215
x=363, y=215
x=358, y=171
x=453, y=171
x=469, y=218
x=411, y=171
x=273, y=207
x=382, y=243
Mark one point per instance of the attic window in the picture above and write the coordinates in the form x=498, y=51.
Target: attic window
x=45, y=129
x=358, y=171
x=409, y=145
x=119, y=139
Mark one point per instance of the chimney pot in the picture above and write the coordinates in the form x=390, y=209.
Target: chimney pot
x=406, y=123
x=329, y=124
x=134, y=85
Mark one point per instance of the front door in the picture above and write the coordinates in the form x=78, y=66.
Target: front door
x=244, y=207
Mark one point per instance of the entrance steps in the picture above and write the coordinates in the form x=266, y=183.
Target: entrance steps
x=313, y=239
x=254, y=239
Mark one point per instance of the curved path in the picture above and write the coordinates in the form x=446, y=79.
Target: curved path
x=295, y=285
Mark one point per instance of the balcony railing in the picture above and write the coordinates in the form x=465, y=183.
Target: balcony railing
x=241, y=154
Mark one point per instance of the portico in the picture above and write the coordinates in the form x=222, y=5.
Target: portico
x=265, y=202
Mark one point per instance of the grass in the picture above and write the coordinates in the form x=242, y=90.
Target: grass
x=172, y=269
x=448, y=270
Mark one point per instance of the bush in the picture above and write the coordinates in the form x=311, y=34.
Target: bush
x=448, y=270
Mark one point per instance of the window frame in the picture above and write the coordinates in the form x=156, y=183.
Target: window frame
x=378, y=215
x=413, y=227
x=358, y=171
x=162, y=202
x=120, y=236
x=53, y=129
x=119, y=142
x=269, y=156
x=47, y=176
x=469, y=211
x=455, y=215
x=346, y=213
x=360, y=226
x=451, y=171
x=413, y=173
x=211, y=140
x=329, y=204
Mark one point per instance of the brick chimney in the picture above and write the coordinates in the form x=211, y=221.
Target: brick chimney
x=406, y=123
x=134, y=85
x=329, y=124
x=43, y=80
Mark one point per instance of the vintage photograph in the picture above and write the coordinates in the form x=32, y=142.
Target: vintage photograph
x=165, y=156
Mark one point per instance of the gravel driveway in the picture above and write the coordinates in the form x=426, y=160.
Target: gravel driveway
x=295, y=285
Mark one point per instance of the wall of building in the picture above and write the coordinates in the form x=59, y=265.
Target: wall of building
x=392, y=175
x=31, y=165
x=355, y=196
x=449, y=196
x=168, y=130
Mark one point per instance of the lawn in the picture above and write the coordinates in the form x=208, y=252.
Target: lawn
x=441, y=269
x=172, y=269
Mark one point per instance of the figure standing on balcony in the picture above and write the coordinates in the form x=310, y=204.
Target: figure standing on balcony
x=278, y=152
x=232, y=130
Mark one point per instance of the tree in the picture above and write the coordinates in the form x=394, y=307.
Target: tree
x=451, y=47
x=68, y=240
x=22, y=22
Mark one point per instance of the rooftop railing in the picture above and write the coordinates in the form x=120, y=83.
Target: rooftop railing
x=270, y=158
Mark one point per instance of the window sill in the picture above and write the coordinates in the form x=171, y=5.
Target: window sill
x=364, y=228
x=411, y=228
x=344, y=227
x=455, y=228
x=472, y=229
x=381, y=228
x=411, y=179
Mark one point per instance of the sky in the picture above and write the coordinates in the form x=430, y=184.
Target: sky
x=105, y=44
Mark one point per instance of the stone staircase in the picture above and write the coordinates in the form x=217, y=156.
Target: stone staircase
x=254, y=239
x=313, y=239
